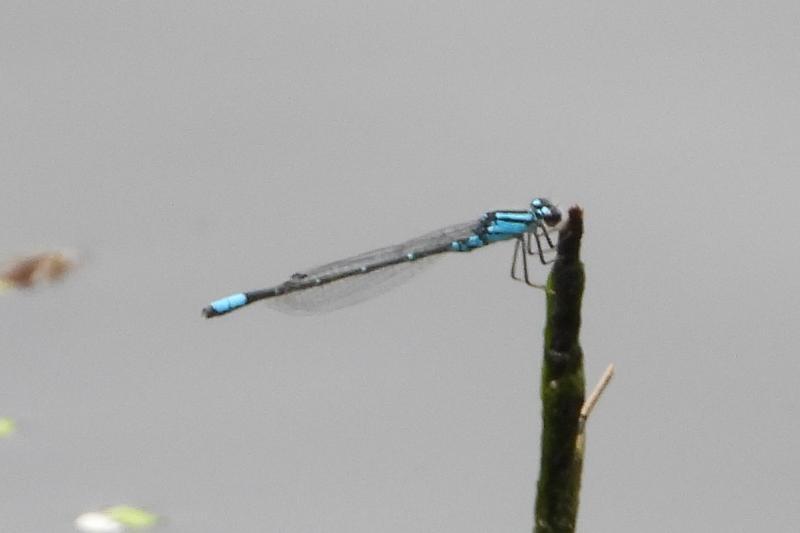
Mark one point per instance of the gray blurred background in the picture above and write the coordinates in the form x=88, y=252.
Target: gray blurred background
x=190, y=150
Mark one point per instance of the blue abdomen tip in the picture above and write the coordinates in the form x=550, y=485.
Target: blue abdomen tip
x=229, y=303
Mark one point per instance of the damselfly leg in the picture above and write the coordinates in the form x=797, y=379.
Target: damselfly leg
x=519, y=251
x=514, y=259
x=539, y=251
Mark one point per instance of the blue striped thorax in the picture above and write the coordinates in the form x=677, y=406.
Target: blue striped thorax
x=502, y=225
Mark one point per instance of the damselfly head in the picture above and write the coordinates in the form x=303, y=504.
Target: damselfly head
x=545, y=210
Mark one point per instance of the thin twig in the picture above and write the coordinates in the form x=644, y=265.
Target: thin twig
x=588, y=405
x=591, y=401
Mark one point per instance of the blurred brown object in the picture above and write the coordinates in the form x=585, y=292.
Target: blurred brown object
x=32, y=270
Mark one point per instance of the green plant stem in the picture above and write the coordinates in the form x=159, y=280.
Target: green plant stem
x=562, y=386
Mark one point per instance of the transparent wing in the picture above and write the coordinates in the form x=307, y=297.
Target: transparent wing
x=357, y=288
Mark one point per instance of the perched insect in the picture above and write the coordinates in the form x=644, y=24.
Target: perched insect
x=357, y=278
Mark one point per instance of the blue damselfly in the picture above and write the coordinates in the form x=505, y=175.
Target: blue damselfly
x=357, y=278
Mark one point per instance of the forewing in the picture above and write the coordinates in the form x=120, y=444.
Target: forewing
x=350, y=290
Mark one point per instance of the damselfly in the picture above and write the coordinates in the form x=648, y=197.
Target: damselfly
x=357, y=278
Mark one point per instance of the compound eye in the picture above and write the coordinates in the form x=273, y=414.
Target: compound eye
x=551, y=215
